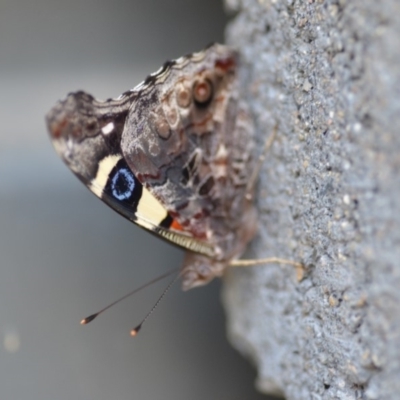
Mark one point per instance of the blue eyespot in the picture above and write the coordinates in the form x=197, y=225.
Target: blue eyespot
x=123, y=184
x=123, y=190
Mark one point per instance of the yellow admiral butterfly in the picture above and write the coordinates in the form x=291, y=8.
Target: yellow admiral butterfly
x=175, y=155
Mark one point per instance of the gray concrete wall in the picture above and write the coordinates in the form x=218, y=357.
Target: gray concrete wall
x=328, y=73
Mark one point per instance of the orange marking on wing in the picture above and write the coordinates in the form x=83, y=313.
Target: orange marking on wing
x=176, y=225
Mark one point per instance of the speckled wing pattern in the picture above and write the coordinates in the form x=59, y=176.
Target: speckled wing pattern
x=174, y=155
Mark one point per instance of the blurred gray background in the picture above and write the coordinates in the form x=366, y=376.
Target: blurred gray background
x=64, y=254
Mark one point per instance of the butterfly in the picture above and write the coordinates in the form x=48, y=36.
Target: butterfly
x=175, y=155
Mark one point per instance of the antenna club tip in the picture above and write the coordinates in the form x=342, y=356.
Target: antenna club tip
x=86, y=320
x=135, y=331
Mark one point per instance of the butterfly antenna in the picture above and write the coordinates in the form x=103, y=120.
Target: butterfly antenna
x=90, y=318
x=136, y=330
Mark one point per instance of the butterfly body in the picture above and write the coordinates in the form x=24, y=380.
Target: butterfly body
x=173, y=155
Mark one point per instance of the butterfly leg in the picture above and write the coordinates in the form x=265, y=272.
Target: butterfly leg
x=249, y=196
x=300, y=271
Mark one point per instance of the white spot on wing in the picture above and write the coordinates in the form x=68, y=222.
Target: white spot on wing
x=108, y=128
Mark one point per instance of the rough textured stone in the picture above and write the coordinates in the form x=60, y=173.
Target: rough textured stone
x=328, y=74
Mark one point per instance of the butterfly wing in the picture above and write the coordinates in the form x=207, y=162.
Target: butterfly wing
x=188, y=139
x=86, y=133
x=173, y=155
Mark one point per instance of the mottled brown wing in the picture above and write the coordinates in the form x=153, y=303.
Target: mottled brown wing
x=189, y=140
